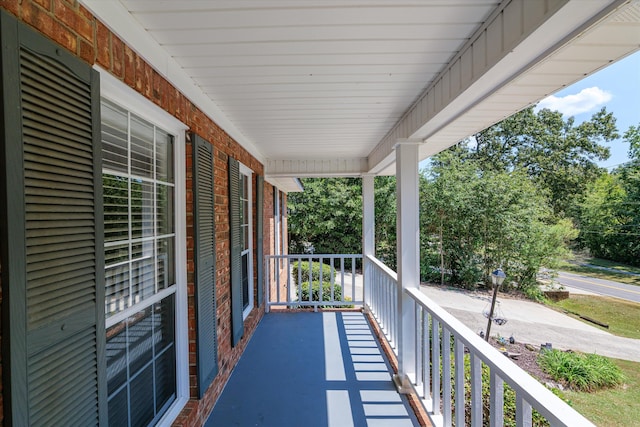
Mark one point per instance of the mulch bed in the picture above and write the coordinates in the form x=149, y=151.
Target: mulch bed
x=526, y=359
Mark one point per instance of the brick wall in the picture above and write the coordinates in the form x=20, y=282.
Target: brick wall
x=74, y=28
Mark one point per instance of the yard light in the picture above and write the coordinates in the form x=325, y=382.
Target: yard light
x=497, y=277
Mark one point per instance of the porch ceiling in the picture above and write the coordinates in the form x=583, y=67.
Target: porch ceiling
x=328, y=87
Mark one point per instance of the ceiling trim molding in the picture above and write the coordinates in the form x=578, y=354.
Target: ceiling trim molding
x=317, y=168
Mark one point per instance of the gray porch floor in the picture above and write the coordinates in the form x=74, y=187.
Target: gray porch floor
x=312, y=369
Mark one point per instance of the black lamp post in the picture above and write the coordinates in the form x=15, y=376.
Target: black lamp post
x=497, y=277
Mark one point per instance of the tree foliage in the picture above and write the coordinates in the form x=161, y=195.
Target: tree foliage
x=326, y=218
x=476, y=220
x=559, y=155
x=506, y=197
x=610, y=213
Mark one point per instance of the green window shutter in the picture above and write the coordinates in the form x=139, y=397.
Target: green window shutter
x=260, y=232
x=235, y=231
x=52, y=234
x=205, y=266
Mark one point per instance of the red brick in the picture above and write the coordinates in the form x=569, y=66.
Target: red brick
x=86, y=51
x=11, y=6
x=129, y=66
x=117, y=56
x=103, y=56
x=73, y=20
x=46, y=4
x=85, y=12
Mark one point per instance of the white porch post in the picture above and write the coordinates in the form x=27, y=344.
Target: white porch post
x=408, y=232
x=368, y=233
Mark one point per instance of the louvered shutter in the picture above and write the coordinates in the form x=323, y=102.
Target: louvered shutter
x=260, y=232
x=205, y=267
x=235, y=232
x=52, y=246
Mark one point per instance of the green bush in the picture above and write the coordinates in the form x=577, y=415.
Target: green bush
x=315, y=272
x=509, y=399
x=581, y=372
x=303, y=293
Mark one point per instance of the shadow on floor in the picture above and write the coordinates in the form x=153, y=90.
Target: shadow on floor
x=312, y=369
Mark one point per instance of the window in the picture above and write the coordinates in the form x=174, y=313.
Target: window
x=246, y=225
x=142, y=291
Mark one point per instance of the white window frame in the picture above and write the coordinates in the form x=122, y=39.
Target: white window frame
x=117, y=92
x=248, y=173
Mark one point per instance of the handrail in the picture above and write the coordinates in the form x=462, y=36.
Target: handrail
x=389, y=272
x=541, y=398
x=283, y=289
x=432, y=377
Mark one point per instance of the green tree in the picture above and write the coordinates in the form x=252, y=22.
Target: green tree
x=385, y=219
x=610, y=215
x=476, y=220
x=326, y=218
x=559, y=155
x=602, y=219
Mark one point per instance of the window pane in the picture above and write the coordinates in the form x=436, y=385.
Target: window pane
x=142, y=271
x=165, y=219
x=117, y=289
x=116, y=208
x=245, y=187
x=116, y=254
x=114, y=137
x=142, y=410
x=140, y=340
x=118, y=405
x=141, y=147
x=245, y=237
x=164, y=156
x=116, y=354
x=165, y=378
x=245, y=280
x=166, y=263
x=142, y=212
x=163, y=324
x=140, y=354
x=245, y=210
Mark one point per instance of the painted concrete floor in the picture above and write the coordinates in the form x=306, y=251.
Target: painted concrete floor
x=312, y=369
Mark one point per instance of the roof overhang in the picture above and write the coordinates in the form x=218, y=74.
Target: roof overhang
x=329, y=87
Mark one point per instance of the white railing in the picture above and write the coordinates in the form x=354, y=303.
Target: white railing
x=287, y=283
x=442, y=342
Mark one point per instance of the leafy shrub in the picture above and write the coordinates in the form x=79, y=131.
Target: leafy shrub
x=582, y=372
x=509, y=399
x=315, y=272
x=303, y=293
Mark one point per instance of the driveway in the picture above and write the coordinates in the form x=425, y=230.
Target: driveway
x=533, y=323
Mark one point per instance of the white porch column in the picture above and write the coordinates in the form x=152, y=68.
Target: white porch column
x=368, y=233
x=408, y=235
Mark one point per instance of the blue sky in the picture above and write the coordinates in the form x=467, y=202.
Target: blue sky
x=616, y=87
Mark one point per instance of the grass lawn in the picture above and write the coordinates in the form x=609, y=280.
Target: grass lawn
x=612, y=264
x=613, y=407
x=623, y=317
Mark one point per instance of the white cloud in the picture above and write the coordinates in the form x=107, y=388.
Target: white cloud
x=587, y=100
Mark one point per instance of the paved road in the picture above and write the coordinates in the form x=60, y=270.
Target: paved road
x=600, y=286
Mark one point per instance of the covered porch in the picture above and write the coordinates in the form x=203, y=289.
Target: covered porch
x=312, y=369
x=433, y=354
